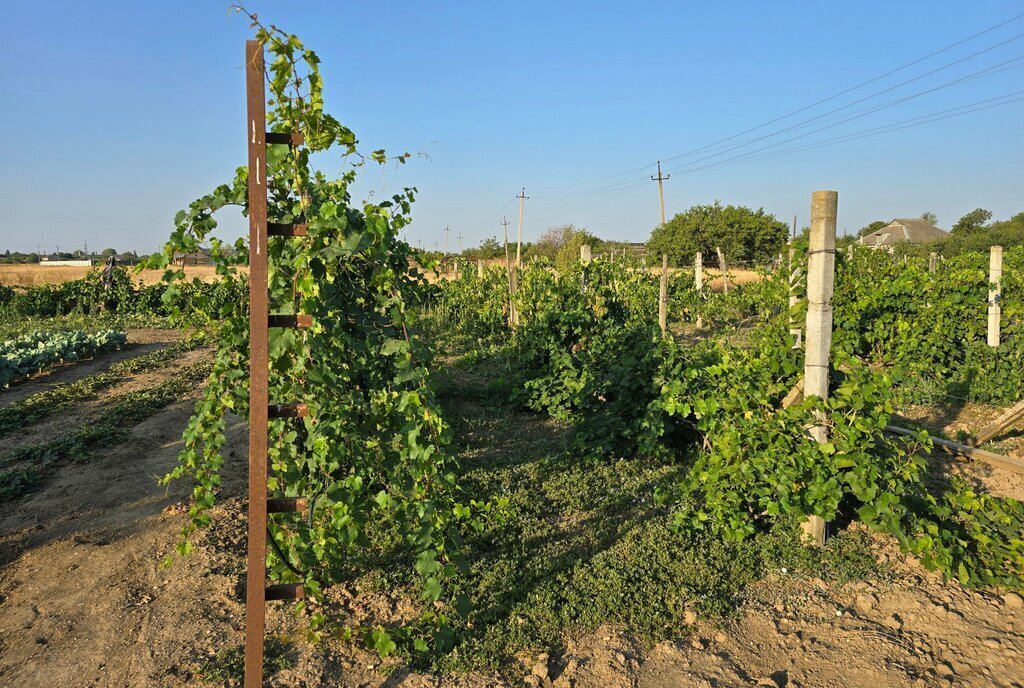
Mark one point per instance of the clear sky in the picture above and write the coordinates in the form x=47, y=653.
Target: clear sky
x=117, y=114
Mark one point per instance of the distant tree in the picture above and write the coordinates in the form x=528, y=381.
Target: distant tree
x=488, y=249
x=32, y=258
x=972, y=221
x=845, y=240
x=744, y=235
x=569, y=253
x=873, y=227
x=551, y=241
x=929, y=216
x=108, y=252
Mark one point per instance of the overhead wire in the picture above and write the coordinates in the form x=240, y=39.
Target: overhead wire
x=631, y=182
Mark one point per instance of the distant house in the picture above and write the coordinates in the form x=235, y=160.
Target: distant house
x=199, y=257
x=914, y=230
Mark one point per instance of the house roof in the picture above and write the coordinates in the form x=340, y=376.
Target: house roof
x=914, y=230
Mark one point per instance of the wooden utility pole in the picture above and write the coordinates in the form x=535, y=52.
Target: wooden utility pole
x=519, y=241
x=661, y=190
x=663, y=295
x=995, y=293
x=821, y=261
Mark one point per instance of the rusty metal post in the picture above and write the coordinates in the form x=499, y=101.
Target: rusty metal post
x=255, y=603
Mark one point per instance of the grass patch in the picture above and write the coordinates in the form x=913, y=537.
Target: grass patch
x=227, y=667
x=584, y=544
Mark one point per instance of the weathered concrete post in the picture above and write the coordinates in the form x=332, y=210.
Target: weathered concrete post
x=933, y=261
x=663, y=295
x=724, y=268
x=698, y=280
x=995, y=293
x=585, y=253
x=480, y=269
x=821, y=260
x=794, y=281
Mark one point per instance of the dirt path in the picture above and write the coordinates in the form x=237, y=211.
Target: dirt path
x=84, y=602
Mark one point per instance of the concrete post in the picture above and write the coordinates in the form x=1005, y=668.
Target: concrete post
x=821, y=261
x=480, y=269
x=724, y=268
x=698, y=280
x=933, y=261
x=995, y=293
x=663, y=295
x=585, y=253
x=794, y=281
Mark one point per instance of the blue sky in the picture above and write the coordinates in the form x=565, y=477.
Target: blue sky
x=117, y=114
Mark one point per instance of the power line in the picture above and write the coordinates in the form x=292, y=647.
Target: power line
x=854, y=88
x=875, y=131
x=812, y=105
x=857, y=114
x=862, y=113
x=875, y=95
x=884, y=129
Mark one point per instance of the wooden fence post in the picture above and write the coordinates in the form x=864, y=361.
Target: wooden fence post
x=821, y=261
x=724, y=268
x=995, y=293
x=933, y=261
x=794, y=280
x=663, y=295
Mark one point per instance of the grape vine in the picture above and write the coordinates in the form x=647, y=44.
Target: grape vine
x=374, y=447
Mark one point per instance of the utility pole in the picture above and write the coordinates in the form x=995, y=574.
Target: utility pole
x=794, y=228
x=446, y=230
x=506, y=223
x=661, y=190
x=460, y=243
x=519, y=242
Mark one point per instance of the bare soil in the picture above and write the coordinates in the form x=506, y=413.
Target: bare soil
x=84, y=602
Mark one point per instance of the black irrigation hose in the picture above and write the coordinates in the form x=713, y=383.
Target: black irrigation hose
x=281, y=556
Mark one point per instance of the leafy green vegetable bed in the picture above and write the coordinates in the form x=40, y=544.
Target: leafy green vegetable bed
x=33, y=352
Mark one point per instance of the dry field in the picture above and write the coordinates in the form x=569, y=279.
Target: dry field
x=34, y=275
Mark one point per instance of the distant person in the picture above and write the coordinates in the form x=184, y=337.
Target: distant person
x=108, y=273
x=107, y=299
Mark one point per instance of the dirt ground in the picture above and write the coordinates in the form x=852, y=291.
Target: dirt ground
x=84, y=602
